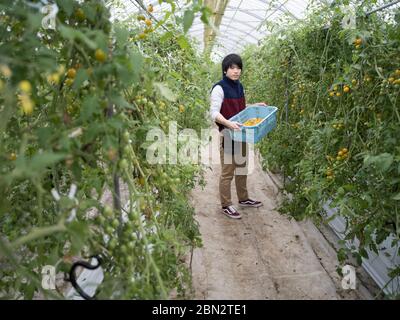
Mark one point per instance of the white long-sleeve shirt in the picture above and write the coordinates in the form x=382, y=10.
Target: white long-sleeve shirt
x=216, y=99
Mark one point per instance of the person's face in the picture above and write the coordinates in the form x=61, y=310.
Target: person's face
x=233, y=72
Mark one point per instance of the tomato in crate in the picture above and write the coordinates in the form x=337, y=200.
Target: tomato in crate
x=257, y=122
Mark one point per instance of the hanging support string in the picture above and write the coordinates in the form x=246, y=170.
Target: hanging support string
x=382, y=7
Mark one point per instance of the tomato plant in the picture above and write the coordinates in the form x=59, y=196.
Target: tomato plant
x=75, y=105
x=337, y=137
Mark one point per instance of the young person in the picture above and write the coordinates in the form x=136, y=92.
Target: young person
x=228, y=99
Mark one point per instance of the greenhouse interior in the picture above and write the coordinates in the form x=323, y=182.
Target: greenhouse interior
x=124, y=122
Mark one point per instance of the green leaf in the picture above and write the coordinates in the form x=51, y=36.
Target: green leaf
x=77, y=171
x=115, y=123
x=176, y=75
x=188, y=18
x=165, y=91
x=358, y=259
x=44, y=135
x=137, y=61
x=367, y=198
x=30, y=291
x=67, y=32
x=81, y=76
x=166, y=36
x=86, y=204
x=125, y=72
x=172, y=4
x=205, y=13
x=396, y=197
x=67, y=6
x=164, y=20
x=35, y=21
x=90, y=13
x=349, y=187
x=73, y=34
x=79, y=233
x=120, y=101
x=94, y=130
x=89, y=107
x=121, y=35
x=5, y=115
x=183, y=43
x=382, y=161
x=43, y=160
x=33, y=167
x=363, y=253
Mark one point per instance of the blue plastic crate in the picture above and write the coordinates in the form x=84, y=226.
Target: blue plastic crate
x=246, y=134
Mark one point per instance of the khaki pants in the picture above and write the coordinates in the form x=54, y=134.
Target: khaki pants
x=234, y=160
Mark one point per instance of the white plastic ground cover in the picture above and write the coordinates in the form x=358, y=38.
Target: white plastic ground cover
x=88, y=280
x=377, y=266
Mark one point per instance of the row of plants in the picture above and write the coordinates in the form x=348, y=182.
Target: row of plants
x=76, y=103
x=335, y=78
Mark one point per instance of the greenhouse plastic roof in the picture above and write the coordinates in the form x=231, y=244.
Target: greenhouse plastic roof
x=243, y=22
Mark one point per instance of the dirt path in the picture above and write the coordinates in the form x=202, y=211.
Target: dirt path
x=262, y=256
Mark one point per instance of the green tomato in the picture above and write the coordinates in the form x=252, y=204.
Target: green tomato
x=108, y=211
x=126, y=136
x=112, y=244
x=129, y=259
x=131, y=245
x=109, y=230
x=124, y=249
x=127, y=149
x=132, y=216
x=101, y=219
x=123, y=164
x=115, y=223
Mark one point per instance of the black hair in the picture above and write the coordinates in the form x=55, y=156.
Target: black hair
x=230, y=60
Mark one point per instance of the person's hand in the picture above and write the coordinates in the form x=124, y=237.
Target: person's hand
x=261, y=104
x=234, y=125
